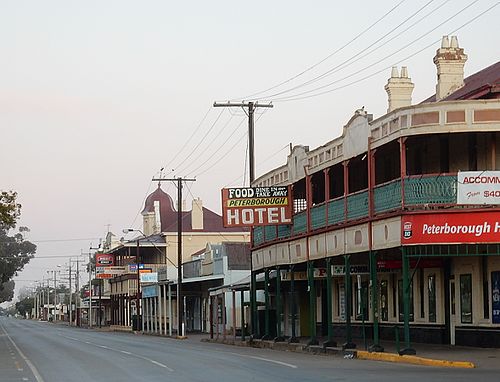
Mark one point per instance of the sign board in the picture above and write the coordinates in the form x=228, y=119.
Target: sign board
x=162, y=274
x=151, y=277
x=104, y=260
x=132, y=268
x=451, y=228
x=104, y=276
x=149, y=291
x=256, y=206
x=318, y=273
x=115, y=270
x=478, y=187
x=339, y=270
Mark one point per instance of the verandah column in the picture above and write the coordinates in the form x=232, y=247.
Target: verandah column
x=293, y=338
x=376, y=347
x=242, y=294
x=348, y=304
x=279, y=307
x=406, y=302
x=330, y=342
x=267, y=305
x=312, y=304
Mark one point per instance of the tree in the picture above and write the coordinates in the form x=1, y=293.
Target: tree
x=9, y=209
x=25, y=306
x=7, y=291
x=15, y=252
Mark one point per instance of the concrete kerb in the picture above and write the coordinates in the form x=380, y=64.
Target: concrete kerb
x=413, y=360
x=359, y=354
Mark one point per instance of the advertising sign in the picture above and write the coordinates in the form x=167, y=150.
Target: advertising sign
x=149, y=291
x=151, y=277
x=104, y=276
x=451, y=228
x=495, y=297
x=256, y=206
x=116, y=270
x=104, y=260
x=478, y=187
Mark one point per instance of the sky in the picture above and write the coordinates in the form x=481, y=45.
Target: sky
x=97, y=96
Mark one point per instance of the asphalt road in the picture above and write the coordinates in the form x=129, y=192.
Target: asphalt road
x=43, y=352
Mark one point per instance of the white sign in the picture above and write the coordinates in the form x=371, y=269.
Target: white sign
x=478, y=187
x=151, y=277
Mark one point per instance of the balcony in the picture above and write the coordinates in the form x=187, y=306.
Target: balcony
x=422, y=191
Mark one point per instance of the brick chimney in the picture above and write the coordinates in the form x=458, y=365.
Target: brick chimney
x=449, y=60
x=197, y=214
x=399, y=89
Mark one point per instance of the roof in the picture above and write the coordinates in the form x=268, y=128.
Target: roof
x=481, y=85
x=212, y=222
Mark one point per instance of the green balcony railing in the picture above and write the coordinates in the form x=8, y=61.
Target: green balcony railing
x=357, y=205
x=284, y=231
x=436, y=189
x=318, y=216
x=270, y=232
x=387, y=196
x=336, y=211
x=299, y=223
x=258, y=235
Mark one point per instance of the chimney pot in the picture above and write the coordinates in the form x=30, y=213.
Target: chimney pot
x=454, y=42
x=394, y=72
x=445, y=42
x=404, y=72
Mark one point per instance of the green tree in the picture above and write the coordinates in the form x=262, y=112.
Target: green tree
x=7, y=291
x=15, y=252
x=25, y=306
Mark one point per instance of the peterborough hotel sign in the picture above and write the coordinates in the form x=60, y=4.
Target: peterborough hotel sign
x=255, y=206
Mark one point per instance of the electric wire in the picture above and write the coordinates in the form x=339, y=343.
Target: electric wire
x=359, y=55
x=302, y=95
x=327, y=57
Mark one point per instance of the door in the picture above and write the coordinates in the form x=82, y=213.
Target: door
x=453, y=312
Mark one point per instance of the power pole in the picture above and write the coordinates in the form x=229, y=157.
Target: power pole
x=251, y=161
x=251, y=106
x=180, y=302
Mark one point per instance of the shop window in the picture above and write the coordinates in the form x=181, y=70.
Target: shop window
x=384, y=300
x=341, y=302
x=495, y=297
x=421, y=292
x=431, y=296
x=401, y=301
x=466, y=298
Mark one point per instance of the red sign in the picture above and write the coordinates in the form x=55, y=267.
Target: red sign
x=451, y=228
x=104, y=276
x=256, y=206
x=104, y=260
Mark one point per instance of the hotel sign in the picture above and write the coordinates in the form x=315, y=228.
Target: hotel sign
x=256, y=206
x=478, y=187
x=451, y=228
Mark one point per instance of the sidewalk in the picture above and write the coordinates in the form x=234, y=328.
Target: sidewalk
x=484, y=358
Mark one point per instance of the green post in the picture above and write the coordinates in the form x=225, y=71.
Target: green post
x=406, y=302
x=376, y=347
x=312, y=303
x=293, y=338
x=242, y=294
x=266, y=313
x=279, y=312
x=330, y=342
x=348, y=300
x=253, y=304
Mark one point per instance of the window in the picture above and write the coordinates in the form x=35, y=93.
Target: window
x=421, y=292
x=466, y=298
x=431, y=296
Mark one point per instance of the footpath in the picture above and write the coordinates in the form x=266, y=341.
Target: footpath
x=427, y=354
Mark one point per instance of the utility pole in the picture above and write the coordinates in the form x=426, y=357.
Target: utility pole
x=251, y=161
x=251, y=106
x=180, y=302
x=70, y=313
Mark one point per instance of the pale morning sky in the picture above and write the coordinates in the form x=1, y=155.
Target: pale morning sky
x=96, y=96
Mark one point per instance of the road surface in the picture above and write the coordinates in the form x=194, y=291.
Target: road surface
x=44, y=352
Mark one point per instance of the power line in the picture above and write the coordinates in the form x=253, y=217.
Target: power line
x=54, y=240
x=302, y=95
x=202, y=139
x=327, y=57
x=191, y=137
x=353, y=59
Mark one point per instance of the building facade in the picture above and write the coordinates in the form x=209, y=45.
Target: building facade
x=396, y=224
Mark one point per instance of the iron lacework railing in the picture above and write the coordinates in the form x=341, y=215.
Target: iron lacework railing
x=430, y=189
x=439, y=189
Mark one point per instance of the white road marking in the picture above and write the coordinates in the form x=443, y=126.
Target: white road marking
x=32, y=367
x=267, y=360
x=121, y=351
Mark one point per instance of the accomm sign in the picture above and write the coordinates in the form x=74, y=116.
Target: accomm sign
x=255, y=206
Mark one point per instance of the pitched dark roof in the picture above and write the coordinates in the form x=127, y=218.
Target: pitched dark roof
x=212, y=222
x=484, y=84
